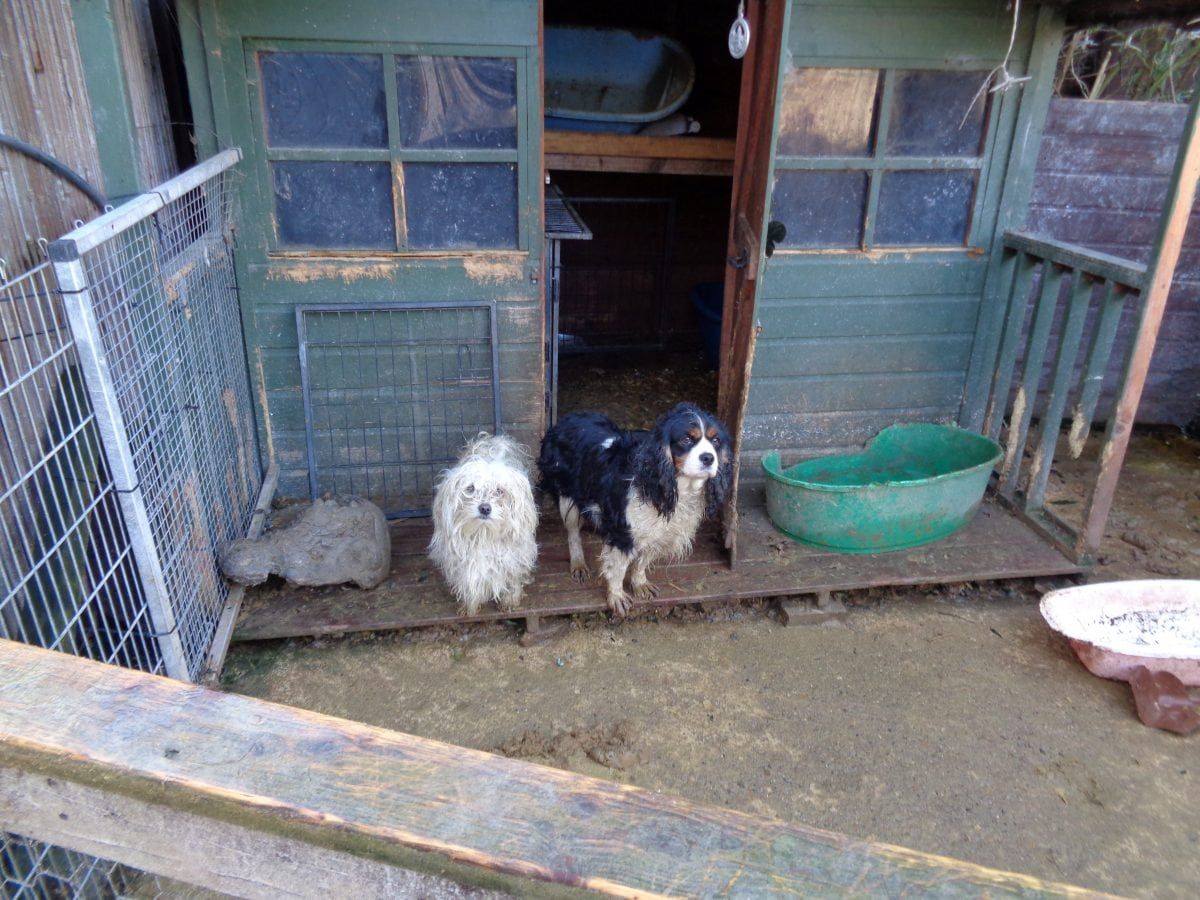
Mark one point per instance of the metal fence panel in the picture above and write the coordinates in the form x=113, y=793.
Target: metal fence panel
x=392, y=392
x=34, y=870
x=67, y=577
x=151, y=296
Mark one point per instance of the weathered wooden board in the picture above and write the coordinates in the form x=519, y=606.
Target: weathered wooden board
x=45, y=102
x=237, y=861
x=422, y=804
x=638, y=145
x=572, y=151
x=995, y=545
x=1102, y=178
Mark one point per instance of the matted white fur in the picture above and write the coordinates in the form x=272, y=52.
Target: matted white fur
x=485, y=524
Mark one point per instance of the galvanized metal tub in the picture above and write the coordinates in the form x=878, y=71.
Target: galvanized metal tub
x=911, y=485
x=613, y=79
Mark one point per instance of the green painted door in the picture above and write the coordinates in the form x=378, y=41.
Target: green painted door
x=392, y=161
x=891, y=169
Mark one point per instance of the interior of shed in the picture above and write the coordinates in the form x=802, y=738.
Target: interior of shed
x=640, y=301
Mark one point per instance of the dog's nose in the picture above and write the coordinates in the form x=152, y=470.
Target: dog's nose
x=485, y=510
x=707, y=459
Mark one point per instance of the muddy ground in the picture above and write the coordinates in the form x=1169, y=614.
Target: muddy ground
x=949, y=720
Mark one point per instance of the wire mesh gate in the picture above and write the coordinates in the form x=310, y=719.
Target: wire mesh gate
x=392, y=392
x=613, y=287
x=127, y=454
x=150, y=294
x=67, y=577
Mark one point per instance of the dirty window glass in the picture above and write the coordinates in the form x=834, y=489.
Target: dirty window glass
x=457, y=101
x=827, y=112
x=925, y=208
x=334, y=205
x=330, y=100
x=457, y=206
x=932, y=114
x=820, y=209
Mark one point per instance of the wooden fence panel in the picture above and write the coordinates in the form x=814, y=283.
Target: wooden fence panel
x=1101, y=181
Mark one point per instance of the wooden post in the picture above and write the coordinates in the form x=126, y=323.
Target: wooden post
x=1181, y=194
x=233, y=603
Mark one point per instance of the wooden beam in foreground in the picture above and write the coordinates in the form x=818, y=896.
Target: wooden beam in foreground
x=250, y=797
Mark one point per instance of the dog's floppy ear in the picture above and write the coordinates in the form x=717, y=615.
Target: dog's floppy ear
x=654, y=469
x=716, y=491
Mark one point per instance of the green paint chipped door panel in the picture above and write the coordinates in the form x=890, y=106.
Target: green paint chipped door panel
x=890, y=173
x=392, y=155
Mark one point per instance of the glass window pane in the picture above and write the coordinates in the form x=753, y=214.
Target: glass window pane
x=929, y=114
x=924, y=208
x=457, y=101
x=457, y=206
x=820, y=209
x=334, y=205
x=827, y=112
x=323, y=100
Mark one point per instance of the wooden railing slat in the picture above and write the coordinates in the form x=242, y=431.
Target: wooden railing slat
x=1014, y=322
x=1072, y=256
x=1104, y=334
x=1060, y=388
x=1031, y=377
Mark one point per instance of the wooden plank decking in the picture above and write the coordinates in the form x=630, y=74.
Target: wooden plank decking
x=994, y=545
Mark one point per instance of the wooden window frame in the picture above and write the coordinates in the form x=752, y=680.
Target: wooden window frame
x=879, y=161
x=393, y=153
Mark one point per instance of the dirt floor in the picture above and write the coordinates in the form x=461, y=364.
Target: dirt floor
x=949, y=720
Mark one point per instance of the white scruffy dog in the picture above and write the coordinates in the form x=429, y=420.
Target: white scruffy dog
x=485, y=524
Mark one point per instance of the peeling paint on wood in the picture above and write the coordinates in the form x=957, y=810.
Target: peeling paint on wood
x=347, y=272
x=1080, y=426
x=264, y=405
x=486, y=269
x=1012, y=442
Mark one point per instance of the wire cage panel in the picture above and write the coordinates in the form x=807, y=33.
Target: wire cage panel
x=392, y=392
x=613, y=287
x=156, y=299
x=67, y=575
x=34, y=870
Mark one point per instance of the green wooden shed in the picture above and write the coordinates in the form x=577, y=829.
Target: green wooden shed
x=392, y=253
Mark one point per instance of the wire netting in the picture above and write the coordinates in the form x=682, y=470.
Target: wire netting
x=67, y=579
x=34, y=870
x=391, y=395
x=164, y=295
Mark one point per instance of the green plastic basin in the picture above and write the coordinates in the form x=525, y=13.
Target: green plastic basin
x=911, y=485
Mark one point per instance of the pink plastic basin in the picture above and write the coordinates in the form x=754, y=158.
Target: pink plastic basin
x=1120, y=625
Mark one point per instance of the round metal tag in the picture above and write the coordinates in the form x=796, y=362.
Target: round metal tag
x=739, y=37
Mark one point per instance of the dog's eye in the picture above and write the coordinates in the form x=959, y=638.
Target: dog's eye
x=715, y=441
x=470, y=490
x=686, y=441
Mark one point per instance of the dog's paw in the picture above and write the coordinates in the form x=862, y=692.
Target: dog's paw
x=580, y=572
x=644, y=591
x=620, y=604
x=509, y=601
